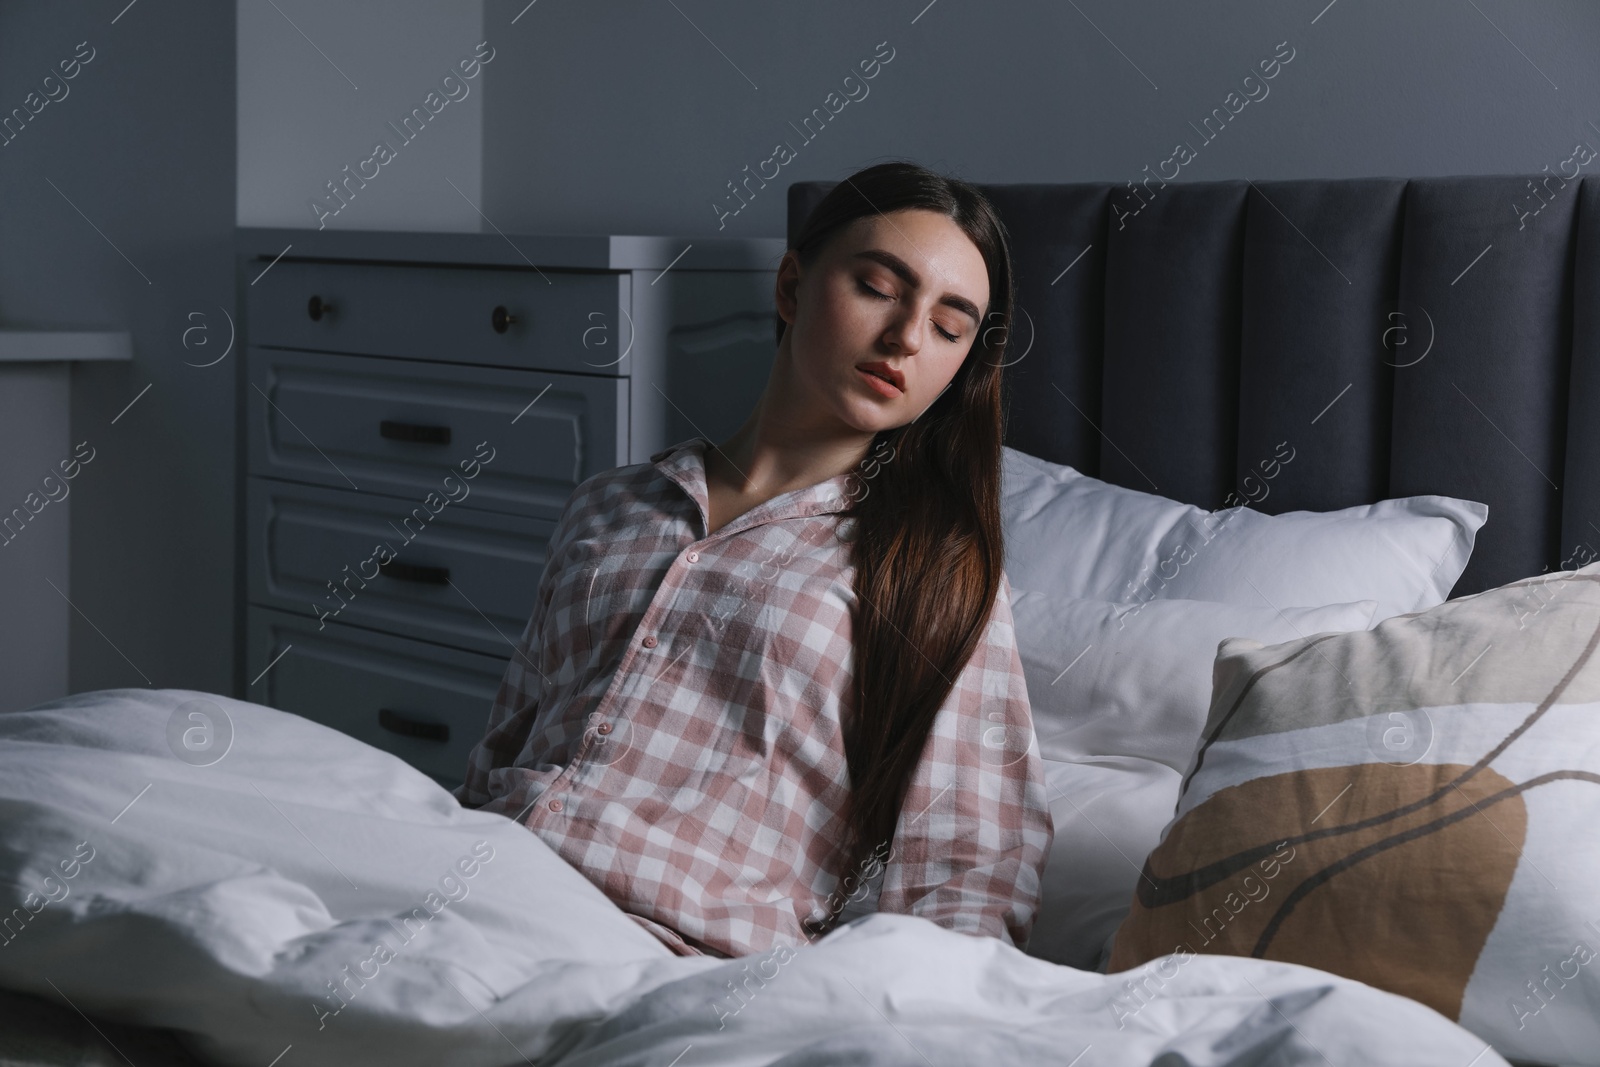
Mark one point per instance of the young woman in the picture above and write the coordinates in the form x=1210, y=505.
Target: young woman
x=763, y=674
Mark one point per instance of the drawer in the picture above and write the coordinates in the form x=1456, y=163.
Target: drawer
x=426, y=704
x=446, y=314
x=398, y=427
x=456, y=577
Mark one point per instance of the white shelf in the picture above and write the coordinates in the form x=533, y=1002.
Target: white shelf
x=62, y=346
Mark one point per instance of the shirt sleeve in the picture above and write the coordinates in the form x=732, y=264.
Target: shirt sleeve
x=975, y=826
x=516, y=703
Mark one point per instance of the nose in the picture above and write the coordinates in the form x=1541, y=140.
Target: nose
x=905, y=332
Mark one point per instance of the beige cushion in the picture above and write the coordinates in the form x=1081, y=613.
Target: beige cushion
x=1416, y=806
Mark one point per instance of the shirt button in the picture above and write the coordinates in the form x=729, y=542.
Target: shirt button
x=555, y=805
x=604, y=728
x=650, y=642
x=694, y=557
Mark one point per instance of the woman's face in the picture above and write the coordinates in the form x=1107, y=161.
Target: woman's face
x=908, y=289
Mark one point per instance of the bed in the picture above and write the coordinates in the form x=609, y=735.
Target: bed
x=1407, y=338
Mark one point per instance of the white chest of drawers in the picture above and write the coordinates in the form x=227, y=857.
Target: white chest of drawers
x=418, y=408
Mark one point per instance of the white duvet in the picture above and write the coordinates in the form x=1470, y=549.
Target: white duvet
x=307, y=899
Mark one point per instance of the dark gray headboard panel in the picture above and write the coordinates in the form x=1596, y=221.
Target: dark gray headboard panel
x=1432, y=335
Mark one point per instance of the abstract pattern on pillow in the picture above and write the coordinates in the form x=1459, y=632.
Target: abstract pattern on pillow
x=1415, y=806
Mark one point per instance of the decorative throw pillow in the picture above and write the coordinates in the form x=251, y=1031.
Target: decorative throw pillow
x=1413, y=806
x=1119, y=695
x=1073, y=535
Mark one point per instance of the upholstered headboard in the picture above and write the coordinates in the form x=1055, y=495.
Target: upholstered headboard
x=1432, y=335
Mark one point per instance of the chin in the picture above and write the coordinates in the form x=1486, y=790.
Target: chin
x=871, y=422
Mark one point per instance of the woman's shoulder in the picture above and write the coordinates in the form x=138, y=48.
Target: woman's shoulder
x=645, y=473
x=606, y=492
x=616, y=492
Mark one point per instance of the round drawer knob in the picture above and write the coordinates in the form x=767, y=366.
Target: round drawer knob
x=317, y=308
x=501, y=319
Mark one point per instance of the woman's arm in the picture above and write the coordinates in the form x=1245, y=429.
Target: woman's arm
x=514, y=708
x=975, y=826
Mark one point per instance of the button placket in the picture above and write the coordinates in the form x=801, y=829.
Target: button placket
x=601, y=726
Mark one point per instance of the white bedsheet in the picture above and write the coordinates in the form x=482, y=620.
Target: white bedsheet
x=221, y=900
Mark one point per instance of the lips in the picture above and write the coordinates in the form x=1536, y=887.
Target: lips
x=886, y=372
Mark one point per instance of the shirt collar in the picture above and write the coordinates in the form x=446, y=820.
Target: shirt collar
x=684, y=463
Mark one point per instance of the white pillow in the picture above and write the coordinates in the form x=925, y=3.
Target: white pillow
x=1108, y=816
x=1073, y=535
x=1135, y=679
x=1119, y=695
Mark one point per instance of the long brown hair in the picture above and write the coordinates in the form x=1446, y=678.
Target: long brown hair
x=927, y=543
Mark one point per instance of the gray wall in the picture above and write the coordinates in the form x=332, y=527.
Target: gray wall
x=625, y=116
x=319, y=83
x=142, y=144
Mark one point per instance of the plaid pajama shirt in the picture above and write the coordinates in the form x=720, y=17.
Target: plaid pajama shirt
x=670, y=724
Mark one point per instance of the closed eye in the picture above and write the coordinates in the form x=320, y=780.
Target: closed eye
x=885, y=296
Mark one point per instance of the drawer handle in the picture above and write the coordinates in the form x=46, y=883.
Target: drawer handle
x=396, y=723
x=411, y=431
x=317, y=308
x=413, y=572
x=501, y=320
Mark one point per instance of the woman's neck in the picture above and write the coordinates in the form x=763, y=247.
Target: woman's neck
x=748, y=465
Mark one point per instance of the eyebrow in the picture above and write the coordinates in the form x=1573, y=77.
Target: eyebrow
x=900, y=267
